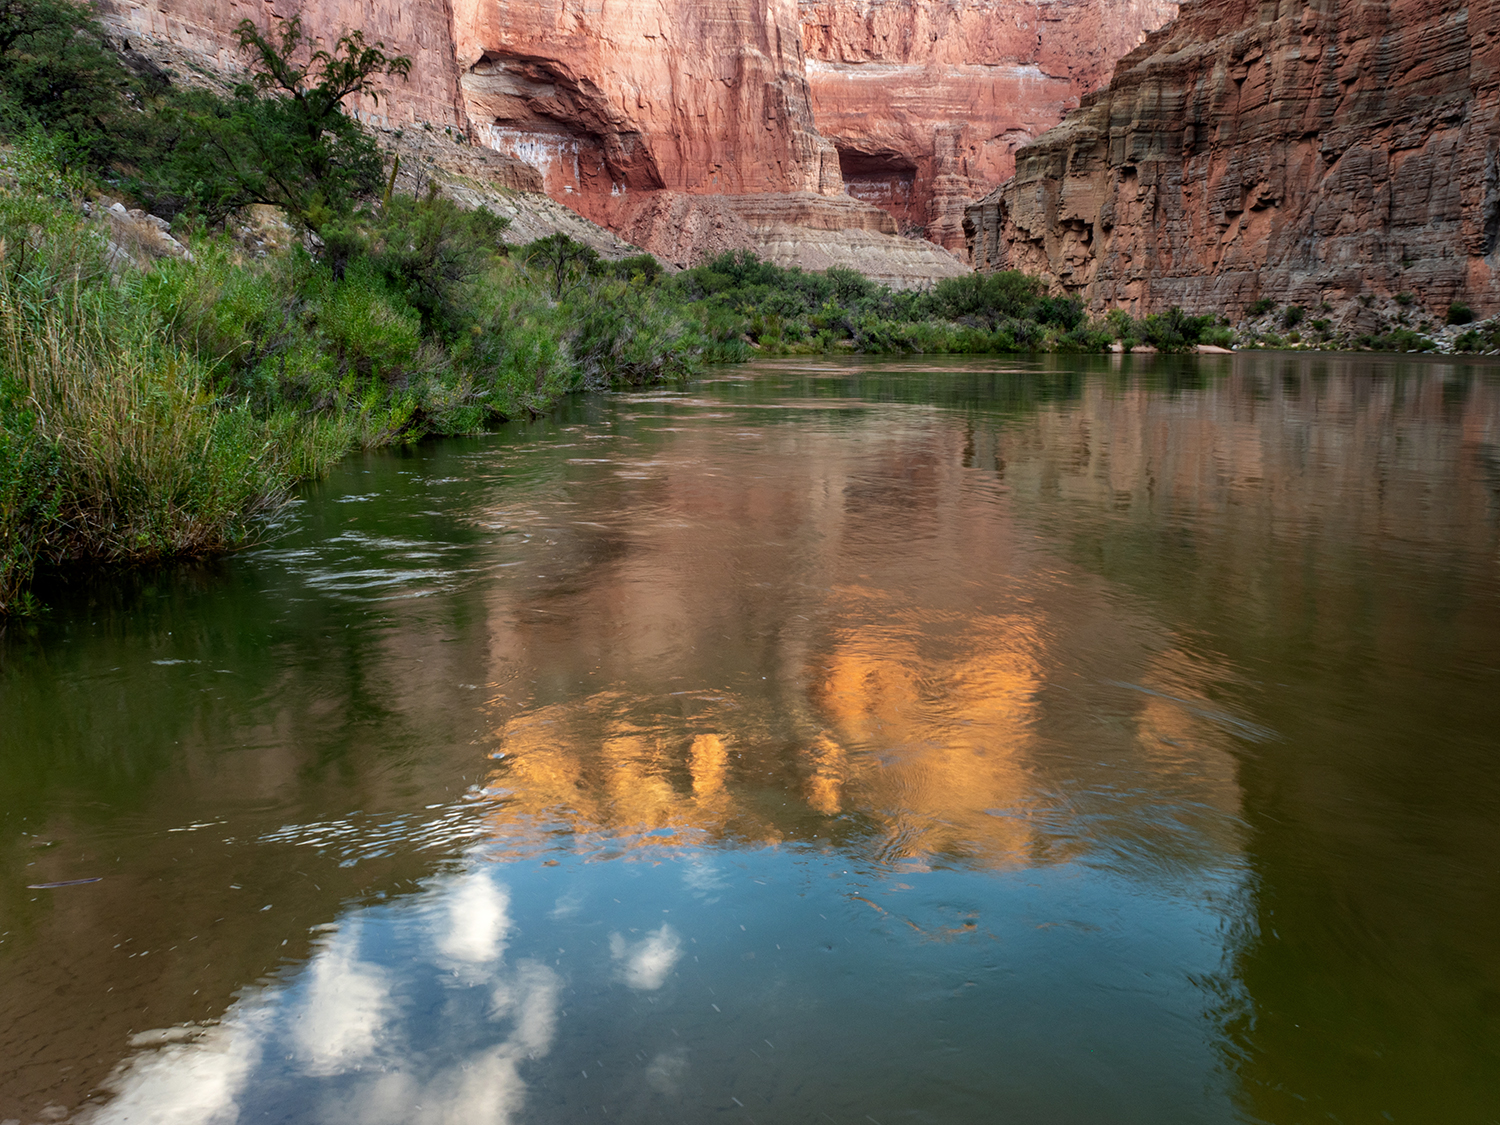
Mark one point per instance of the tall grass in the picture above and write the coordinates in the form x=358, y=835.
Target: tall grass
x=113, y=444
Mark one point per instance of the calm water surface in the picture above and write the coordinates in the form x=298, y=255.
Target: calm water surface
x=1053, y=741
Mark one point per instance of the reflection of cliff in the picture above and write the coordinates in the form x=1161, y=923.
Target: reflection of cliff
x=904, y=673
x=1332, y=531
x=1161, y=618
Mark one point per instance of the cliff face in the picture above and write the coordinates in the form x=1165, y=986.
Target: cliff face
x=611, y=99
x=1272, y=148
x=193, y=35
x=916, y=105
x=927, y=102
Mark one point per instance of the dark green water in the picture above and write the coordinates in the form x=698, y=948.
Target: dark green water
x=1058, y=741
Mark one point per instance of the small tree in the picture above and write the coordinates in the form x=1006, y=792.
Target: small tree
x=285, y=139
x=55, y=71
x=563, y=258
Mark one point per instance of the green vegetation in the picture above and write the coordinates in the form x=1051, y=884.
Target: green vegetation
x=1460, y=314
x=1397, y=340
x=156, y=413
x=1171, y=331
x=788, y=311
x=149, y=414
x=1481, y=338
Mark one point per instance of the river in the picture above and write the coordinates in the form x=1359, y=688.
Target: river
x=1065, y=740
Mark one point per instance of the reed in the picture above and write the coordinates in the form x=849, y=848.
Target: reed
x=116, y=447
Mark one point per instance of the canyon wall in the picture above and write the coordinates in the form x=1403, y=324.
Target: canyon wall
x=634, y=114
x=196, y=37
x=607, y=99
x=927, y=102
x=1305, y=152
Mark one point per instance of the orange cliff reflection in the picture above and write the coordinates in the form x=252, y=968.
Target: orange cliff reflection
x=912, y=675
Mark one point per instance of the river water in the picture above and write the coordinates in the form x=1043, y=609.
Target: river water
x=979, y=741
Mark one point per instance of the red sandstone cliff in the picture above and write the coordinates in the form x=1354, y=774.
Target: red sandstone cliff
x=632, y=114
x=928, y=102
x=1271, y=148
x=613, y=98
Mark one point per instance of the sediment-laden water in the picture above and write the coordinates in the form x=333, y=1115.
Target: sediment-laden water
x=1037, y=741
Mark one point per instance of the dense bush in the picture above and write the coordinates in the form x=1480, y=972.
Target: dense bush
x=1481, y=338
x=57, y=73
x=783, y=310
x=167, y=413
x=1170, y=331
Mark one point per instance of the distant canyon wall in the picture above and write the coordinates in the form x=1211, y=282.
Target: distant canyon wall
x=928, y=102
x=1304, y=152
x=914, y=107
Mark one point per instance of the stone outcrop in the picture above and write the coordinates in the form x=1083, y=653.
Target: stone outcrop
x=927, y=102
x=1305, y=153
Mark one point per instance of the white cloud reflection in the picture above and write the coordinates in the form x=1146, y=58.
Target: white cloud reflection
x=667, y=1071
x=648, y=961
x=195, y=1083
x=339, y=1016
x=477, y=920
x=347, y=1007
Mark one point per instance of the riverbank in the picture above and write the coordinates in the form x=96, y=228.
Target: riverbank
x=167, y=411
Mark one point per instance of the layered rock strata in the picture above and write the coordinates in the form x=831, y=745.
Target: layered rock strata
x=927, y=102
x=803, y=229
x=1305, y=153
x=647, y=121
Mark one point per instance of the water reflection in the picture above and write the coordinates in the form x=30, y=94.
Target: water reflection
x=916, y=741
x=841, y=612
x=335, y=1043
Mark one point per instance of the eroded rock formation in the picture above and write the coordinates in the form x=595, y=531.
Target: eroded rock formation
x=915, y=105
x=1305, y=152
x=613, y=98
x=927, y=102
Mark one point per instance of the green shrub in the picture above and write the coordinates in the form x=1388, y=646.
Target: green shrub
x=1262, y=306
x=56, y=73
x=284, y=139
x=987, y=296
x=1174, y=330
x=1292, y=315
x=119, y=448
x=1481, y=338
x=1460, y=314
